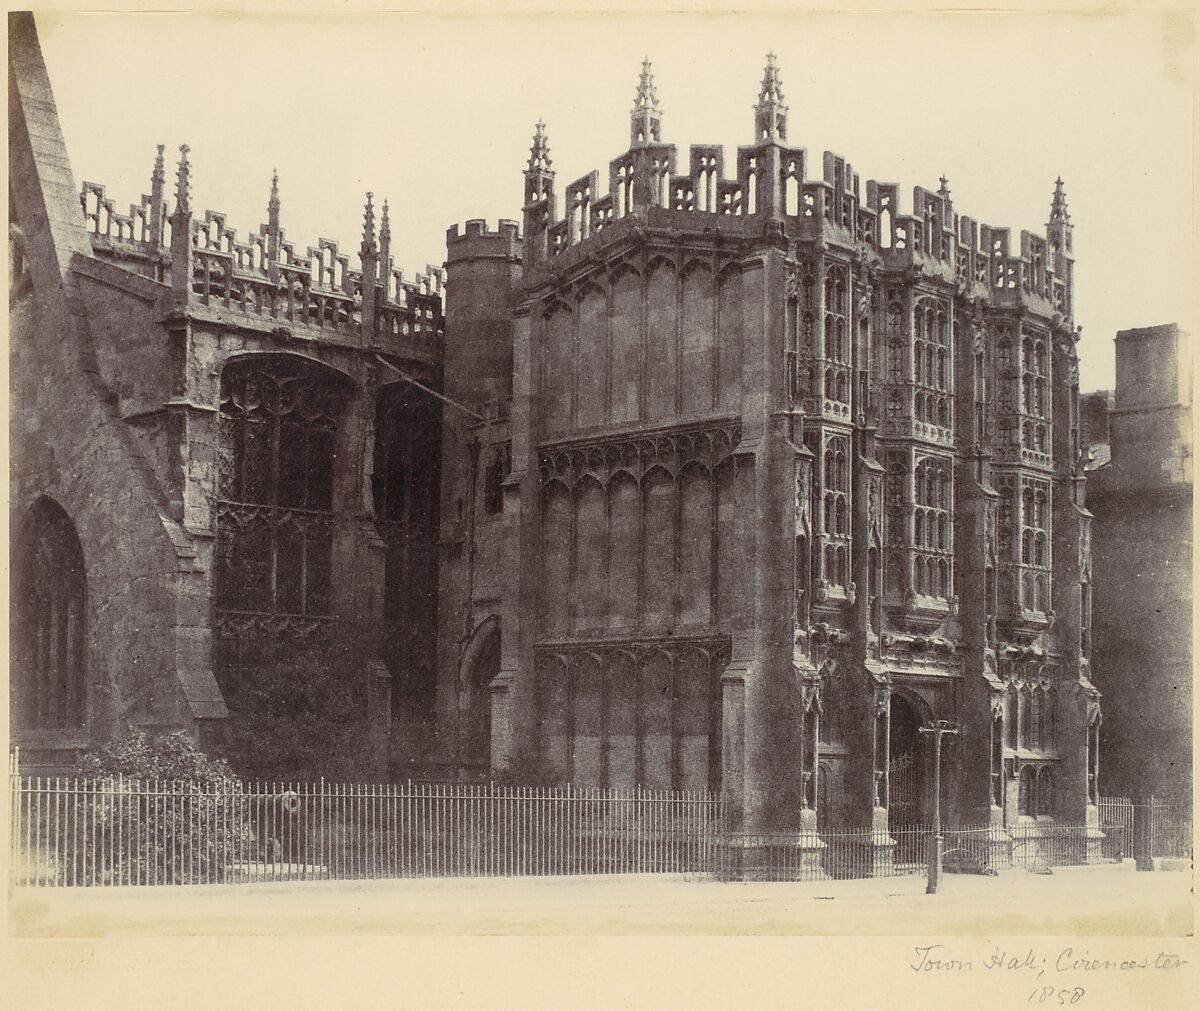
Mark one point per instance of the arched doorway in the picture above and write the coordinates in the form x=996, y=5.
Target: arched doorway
x=906, y=779
x=49, y=616
x=481, y=664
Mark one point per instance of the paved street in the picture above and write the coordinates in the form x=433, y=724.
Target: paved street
x=1093, y=901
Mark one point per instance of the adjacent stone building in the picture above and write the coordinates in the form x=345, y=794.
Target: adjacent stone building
x=225, y=455
x=1140, y=490
x=721, y=482
x=785, y=473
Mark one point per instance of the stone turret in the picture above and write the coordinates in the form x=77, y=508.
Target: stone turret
x=539, y=197
x=1059, y=232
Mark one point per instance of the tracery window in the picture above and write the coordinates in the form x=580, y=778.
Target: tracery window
x=896, y=341
x=933, y=399
x=1035, y=379
x=837, y=508
x=275, y=495
x=932, y=528
x=837, y=341
x=1035, y=544
x=48, y=685
x=836, y=293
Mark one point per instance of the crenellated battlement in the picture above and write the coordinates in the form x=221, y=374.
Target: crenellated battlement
x=265, y=274
x=770, y=180
x=477, y=239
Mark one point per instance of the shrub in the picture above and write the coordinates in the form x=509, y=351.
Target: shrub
x=150, y=811
x=169, y=756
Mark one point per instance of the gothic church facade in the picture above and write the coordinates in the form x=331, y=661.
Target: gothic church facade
x=714, y=483
x=786, y=474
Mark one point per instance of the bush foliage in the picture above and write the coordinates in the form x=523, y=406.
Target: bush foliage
x=169, y=756
x=125, y=829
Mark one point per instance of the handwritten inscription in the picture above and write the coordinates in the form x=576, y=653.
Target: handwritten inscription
x=1057, y=971
x=934, y=958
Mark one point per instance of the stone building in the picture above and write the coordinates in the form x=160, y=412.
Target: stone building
x=225, y=455
x=1140, y=491
x=742, y=479
x=773, y=473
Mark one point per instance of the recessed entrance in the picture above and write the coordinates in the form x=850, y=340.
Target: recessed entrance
x=906, y=779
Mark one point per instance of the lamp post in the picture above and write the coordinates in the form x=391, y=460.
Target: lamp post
x=939, y=728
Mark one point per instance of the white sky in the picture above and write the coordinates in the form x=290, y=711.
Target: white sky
x=436, y=113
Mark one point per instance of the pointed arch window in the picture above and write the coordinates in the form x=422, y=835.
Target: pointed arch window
x=1045, y=792
x=48, y=678
x=1027, y=792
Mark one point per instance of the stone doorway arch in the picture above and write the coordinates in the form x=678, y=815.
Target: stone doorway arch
x=478, y=669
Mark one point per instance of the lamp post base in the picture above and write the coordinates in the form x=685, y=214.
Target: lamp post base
x=935, y=864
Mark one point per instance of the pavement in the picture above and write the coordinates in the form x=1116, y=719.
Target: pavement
x=1086, y=901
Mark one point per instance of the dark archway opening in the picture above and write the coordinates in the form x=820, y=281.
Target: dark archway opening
x=906, y=779
x=476, y=732
x=406, y=486
x=49, y=617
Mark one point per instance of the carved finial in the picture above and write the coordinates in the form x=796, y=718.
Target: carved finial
x=539, y=153
x=273, y=201
x=944, y=188
x=1058, y=206
x=183, y=182
x=385, y=228
x=772, y=90
x=646, y=98
x=646, y=125
x=159, y=175
x=770, y=115
x=369, y=225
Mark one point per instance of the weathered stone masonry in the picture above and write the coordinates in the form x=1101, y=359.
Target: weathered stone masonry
x=712, y=483
x=245, y=436
x=792, y=472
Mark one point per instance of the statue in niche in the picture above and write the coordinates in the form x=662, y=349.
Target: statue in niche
x=801, y=493
x=977, y=335
x=865, y=301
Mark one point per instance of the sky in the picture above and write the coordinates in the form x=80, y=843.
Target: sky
x=436, y=113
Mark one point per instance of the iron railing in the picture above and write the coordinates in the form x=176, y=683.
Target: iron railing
x=117, y=831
